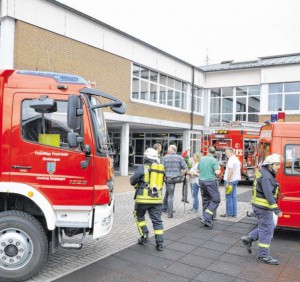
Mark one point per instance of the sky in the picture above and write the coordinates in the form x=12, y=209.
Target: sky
x=204, y=32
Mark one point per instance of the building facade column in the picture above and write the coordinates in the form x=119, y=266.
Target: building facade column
x=124, y=149
x=186, y=137
x=7, y=40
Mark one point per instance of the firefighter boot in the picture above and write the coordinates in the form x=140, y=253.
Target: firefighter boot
x=247, y=241
x=159, y=247
x=143, y=240
x=268, y=260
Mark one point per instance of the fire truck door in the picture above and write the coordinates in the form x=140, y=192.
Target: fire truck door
x=41, y=157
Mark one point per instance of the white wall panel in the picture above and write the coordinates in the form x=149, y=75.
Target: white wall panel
x=84, y=30
x=233, y=78
x=199, y=78
x=280, y=74
x=42, y=14
x=117, y=44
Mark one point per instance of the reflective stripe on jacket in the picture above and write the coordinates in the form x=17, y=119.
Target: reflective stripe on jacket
x=265, y=190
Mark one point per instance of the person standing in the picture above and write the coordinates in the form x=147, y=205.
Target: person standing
x=264, y=204
x=175, y=167
x=186, y=180
x=194, y=181
x=209, y=168
x=158, y=148
x=231, y=177
x=148, y=199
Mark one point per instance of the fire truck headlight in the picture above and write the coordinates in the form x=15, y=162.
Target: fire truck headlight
x=106, y=221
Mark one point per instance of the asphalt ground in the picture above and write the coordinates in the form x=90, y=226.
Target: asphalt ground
x=195, y=253
x=192, y=252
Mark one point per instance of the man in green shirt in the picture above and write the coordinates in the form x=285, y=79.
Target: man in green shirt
x=209, y=168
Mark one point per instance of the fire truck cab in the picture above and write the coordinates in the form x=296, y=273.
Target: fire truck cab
x=243, y=142
x=284, y=138
x=56, y=173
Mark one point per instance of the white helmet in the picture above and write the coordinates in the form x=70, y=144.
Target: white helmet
x=151, y=154
x=272, y=159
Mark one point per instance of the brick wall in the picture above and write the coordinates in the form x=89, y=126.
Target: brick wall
x=291, y=118
x=39, y=49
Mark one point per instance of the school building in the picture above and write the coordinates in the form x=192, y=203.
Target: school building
x=168, y=100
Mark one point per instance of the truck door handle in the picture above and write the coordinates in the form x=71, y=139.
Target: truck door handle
x=21, y=167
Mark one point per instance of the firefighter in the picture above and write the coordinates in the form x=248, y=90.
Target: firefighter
x=148, y=181
x=265, y=193
x=209, y=168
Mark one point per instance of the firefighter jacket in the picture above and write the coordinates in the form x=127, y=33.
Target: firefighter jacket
x=265, y=190
x=148, y=189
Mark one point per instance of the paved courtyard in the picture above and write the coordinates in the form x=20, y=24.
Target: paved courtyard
x=124, y=233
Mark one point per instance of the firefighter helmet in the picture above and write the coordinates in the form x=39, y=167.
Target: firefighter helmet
x=272, y=159
x=151, y=154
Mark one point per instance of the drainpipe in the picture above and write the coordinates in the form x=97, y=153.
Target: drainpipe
x=193, y=93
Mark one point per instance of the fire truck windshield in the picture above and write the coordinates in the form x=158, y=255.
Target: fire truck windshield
x=99, y=125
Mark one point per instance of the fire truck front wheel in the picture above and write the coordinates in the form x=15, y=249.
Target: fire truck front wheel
x=23, y=246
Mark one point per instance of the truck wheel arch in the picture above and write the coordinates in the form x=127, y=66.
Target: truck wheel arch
x=34, y=195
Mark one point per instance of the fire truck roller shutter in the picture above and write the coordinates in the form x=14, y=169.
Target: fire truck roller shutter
x=34, y=195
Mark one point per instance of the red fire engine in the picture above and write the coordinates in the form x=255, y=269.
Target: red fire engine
x=284, y=138
x=243, y=142
x=56, y=175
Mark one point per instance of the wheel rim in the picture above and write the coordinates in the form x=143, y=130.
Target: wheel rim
x=16, y=248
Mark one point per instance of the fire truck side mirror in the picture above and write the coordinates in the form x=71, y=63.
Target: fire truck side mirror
x=75, y=112
x=74, y=140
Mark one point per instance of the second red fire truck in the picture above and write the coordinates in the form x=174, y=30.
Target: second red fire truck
x=243, y=142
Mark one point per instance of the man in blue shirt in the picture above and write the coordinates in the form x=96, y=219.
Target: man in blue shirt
x=175, y=167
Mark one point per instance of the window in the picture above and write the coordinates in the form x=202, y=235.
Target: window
x=163, y=90
x=227, y=105
x=49, y=129
x=292, y=160
x=198, y=99
x=284, y=96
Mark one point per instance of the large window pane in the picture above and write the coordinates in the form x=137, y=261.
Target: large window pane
x=253, y=104
x=135, y=88
x=136, y=70
x=292, y=87
x=240, y=117
x=153, y=76
x=275, y=87
x=177, y=99
x=227, y=105
x=215, y=105
x=153, y=92
x=215, y=118
x=178, y=85
x=241, y=91
x=254, y=90
x=215, y=92
x=183, y=101
x=291, y=102
x=241, y=104
x=163, y=79
x=227, y=91
x=275, y=102
x=227, y=118
x=170, y=97
x=144, y=73
x=171, y=82
x=162, y=95
x=253, y=117
x=144, y=91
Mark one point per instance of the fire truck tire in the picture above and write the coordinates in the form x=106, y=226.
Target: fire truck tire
x=23, y=246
